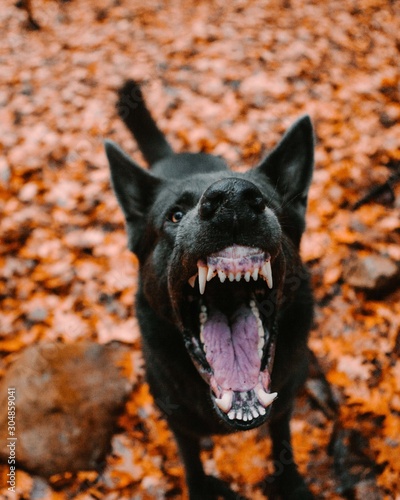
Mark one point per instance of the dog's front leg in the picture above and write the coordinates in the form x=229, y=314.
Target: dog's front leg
x=286, y=478
x=200, y=486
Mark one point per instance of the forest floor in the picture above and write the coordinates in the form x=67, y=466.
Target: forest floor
x=226, y=78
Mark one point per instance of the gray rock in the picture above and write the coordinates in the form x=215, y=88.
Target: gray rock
x=373, y=273
x=68, y=398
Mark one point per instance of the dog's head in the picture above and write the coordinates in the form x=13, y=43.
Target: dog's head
x=214, y=247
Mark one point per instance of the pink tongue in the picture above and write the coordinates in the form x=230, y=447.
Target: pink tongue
x=232, y=350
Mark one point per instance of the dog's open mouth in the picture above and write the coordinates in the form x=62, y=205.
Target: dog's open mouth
x=228, y=334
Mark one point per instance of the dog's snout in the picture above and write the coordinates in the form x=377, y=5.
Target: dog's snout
x=231, y=198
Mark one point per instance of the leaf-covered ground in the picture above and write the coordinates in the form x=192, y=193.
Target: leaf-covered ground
x=226, y=78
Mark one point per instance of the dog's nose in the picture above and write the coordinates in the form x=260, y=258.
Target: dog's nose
x=231, y=200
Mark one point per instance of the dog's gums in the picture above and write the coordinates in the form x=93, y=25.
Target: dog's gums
x=235, y=263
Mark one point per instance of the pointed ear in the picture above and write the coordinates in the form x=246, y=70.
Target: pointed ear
x=134, y=188
x=289, y=166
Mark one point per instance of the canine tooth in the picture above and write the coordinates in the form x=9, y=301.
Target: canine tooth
x=231, y=276
x=192, y=280
x=255, y=274
x=267, y=273
x=265, y=398
x=221, y=276
x=238, y=276
x=202, y=279
x=231, y=415
x=210, y=273
x=225, y=403
x=247, y=276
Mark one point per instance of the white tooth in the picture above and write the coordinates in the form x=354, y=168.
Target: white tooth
x=225, y=403
x=203, y=309
x=254, y=412
x=260, y=342
x=247, y=276
x=265, y=398
x=255, y=274
x=238, y=276
x=203, y=317
x=245, y=417
x=221, y=276
x=202, y=279
x=231, y=276
x=260, y=353
x=210, y=273
x=231, y=415
x=239, y=414
x=201, y=334
x=192, y=280
x=267, y=272
x=262, y=410
x=252, y=303
x=249, y=416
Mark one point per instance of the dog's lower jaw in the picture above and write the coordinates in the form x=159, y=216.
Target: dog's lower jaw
x=244, y=408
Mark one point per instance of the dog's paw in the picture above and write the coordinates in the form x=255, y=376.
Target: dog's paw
x=292, y=488
x=213, y=488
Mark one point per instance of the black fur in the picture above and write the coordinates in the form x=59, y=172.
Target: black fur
x=186, y=208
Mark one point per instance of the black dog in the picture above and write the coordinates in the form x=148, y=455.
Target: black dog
x=224, y=303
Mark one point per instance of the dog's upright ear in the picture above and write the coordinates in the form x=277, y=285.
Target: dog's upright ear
x=134, y=188
x=290, y=165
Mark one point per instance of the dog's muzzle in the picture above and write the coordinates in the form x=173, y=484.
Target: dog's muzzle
x=238, y=268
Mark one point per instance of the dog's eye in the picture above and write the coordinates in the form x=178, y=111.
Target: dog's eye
x=176, y=216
